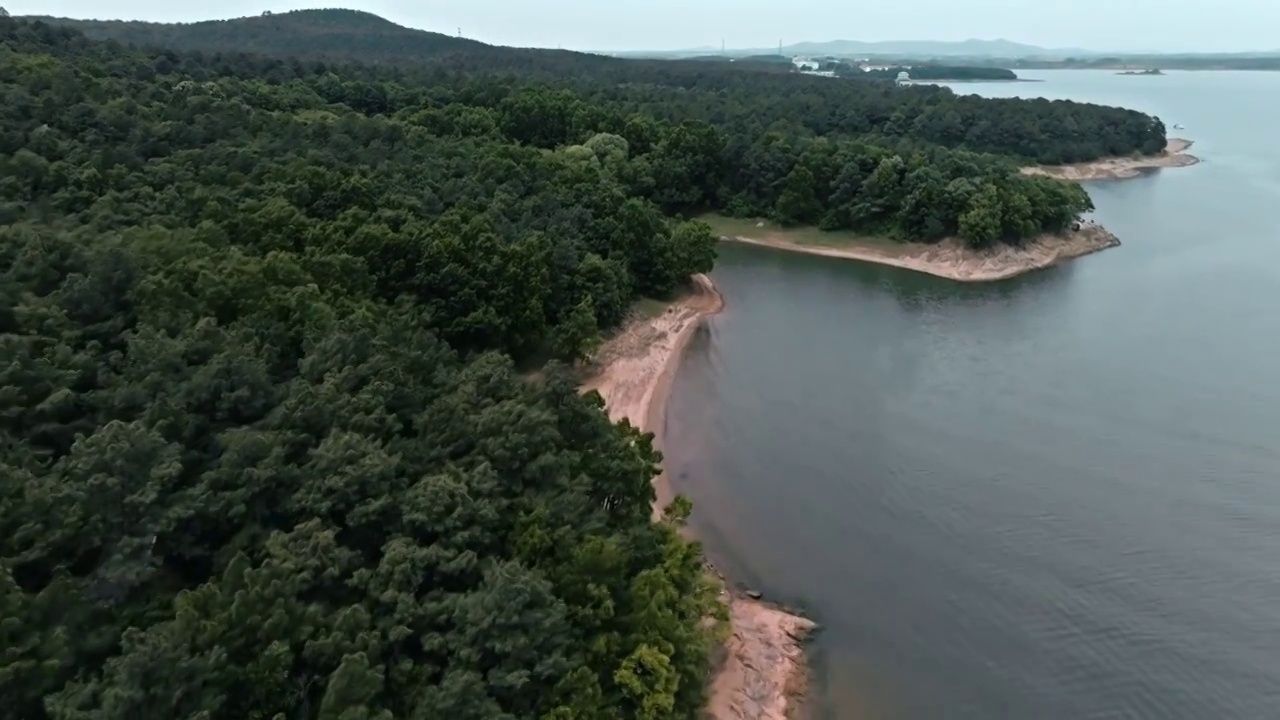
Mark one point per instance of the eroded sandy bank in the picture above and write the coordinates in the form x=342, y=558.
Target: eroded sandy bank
x=764, y=664
x=634, y=369
x=951, y=259
x=1116, y=168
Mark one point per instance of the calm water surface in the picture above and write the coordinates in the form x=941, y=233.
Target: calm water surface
x=1052, y=497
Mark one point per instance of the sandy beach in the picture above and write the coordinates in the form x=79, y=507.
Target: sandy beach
x=634, y=369
x=764, y=665
x=1116, y=168
x=951, y=259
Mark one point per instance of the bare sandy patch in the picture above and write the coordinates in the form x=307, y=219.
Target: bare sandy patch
x=954, y=260
x=634, y=369
x=1117, y=168
x=764, y=670
x=763, y=667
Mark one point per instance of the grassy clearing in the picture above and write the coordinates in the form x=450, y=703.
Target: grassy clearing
x=649, y=308
x=800, y=235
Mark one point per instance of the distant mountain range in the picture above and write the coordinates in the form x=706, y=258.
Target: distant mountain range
x=901, y=48
x=933, y=48
x=926, y=49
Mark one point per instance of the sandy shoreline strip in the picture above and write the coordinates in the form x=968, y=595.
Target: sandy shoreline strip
x=1118, y=168
x=951, y=259
x=634, y=369
x=764, y=664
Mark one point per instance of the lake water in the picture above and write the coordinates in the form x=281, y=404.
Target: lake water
x=1052, y=497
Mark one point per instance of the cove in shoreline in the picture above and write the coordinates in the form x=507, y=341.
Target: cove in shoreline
x=762, y=666
x=951, y=258
x=1119, y=168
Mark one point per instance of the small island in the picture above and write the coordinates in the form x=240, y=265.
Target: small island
x=1150, y=71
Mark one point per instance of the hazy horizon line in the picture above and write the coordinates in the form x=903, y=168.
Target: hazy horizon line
x=707, y=48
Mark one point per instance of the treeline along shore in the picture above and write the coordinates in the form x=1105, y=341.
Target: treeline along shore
x=288, y=310
x=1120, y=167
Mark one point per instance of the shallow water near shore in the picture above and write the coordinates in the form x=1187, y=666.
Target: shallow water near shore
x=1056, y=496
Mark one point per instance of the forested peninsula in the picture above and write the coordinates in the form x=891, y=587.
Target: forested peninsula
x=270, y=292
x=933, y=71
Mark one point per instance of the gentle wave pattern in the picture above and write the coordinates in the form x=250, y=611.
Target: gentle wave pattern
x=1052, y=497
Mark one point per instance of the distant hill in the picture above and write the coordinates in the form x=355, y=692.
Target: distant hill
x=341, y=36
x=931, y=48
x=893, y=48
x=337, y=34
x=774, y=59
x=353, y=36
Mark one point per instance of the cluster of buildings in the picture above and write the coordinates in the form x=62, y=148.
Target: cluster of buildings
x=814, y=66
x=811, y=67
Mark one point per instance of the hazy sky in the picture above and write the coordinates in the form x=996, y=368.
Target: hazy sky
x=1161, y=25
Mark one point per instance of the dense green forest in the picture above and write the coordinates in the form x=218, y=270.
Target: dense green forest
x=918, y=163
x=264, y=450
x=774, y=61
x=735, y=95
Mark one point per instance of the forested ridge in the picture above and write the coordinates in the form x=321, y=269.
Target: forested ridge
x=743, y=97
x=913, y=163
x=264, y=451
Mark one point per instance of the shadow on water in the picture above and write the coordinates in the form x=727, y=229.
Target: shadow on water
x=756, y=280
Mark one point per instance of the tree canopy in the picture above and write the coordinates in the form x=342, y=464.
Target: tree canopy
x=263, y=449
x=739, y=95
x=698, y=136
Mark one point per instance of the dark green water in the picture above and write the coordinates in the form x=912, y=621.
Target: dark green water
x=1052, y=497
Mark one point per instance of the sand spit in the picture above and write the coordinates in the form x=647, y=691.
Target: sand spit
x=951, y=259
x=634, y=369
x=1116, y=168
x=764, y=665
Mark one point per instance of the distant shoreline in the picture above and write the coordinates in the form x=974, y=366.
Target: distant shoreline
x=950, y=258
x=1119, y=168
x=969, y=81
